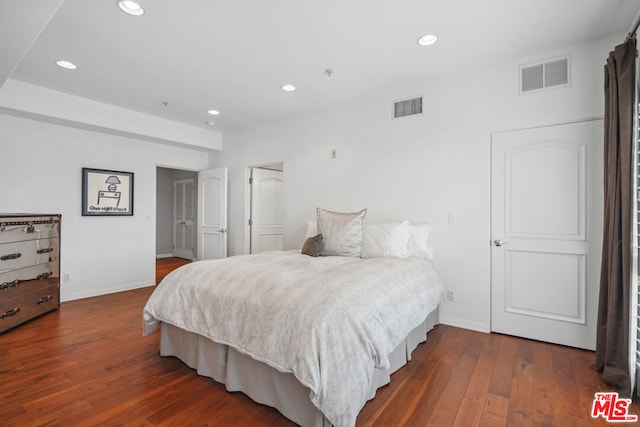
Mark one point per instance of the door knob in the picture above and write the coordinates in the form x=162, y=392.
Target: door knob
x=499, y=242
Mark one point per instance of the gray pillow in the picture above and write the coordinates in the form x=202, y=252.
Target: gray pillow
x=313, y=245
x=342, y=232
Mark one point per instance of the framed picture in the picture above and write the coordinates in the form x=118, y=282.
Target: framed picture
x=107, y=193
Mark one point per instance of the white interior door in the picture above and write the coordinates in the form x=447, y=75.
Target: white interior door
x=183, y=214
x=212, y=213
x=546, y=214
x=266, y=210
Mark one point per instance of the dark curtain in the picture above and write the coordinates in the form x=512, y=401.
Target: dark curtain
x=612, y=342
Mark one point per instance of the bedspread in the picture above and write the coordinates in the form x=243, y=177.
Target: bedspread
x=327, y=320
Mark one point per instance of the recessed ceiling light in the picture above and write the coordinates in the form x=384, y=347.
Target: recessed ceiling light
x=213, y=112
x=66, y=64
x=427, y=40
x=210, y=122
x=130, y=7
x=288, y=88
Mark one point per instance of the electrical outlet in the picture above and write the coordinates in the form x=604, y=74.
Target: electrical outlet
x=450, y=296
x=66, y=277
x=334, y=154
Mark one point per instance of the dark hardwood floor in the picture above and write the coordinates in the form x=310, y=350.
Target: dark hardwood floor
x=165, y=266
x=88, y=364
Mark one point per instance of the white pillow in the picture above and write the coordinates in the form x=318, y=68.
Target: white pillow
x=312, y=229
x=389, y=240
x=341, y=232
x=419, y=241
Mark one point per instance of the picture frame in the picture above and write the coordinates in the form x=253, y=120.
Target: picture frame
x=107, y=192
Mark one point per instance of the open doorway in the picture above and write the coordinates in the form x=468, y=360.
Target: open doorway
x=176, y=213
x=265, y=208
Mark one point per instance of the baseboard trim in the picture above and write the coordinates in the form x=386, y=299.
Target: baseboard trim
x=164, y=255
x=72, y=296
x=465, y=324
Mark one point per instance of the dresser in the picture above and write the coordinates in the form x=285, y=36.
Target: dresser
x=29, y=267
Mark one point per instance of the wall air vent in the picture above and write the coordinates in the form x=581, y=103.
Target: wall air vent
x=407, y=107
x=545, y=74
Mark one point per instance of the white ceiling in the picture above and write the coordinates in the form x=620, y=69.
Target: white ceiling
x=234, y=56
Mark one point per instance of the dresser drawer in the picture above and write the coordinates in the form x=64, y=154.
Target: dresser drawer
x=16, y=287
x=20, y=309
x=38, y=271
x=19, y=229
x=22, y=254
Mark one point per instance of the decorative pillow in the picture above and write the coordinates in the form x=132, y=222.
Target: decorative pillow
x=420, y=241
x=389, y=240
x=342, y=232
x=313, y=246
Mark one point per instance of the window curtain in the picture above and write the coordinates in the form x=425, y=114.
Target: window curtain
x=612, y=342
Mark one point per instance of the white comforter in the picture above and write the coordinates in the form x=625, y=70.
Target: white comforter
x=327, y=320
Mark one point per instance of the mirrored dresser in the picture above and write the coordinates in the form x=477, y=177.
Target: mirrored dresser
x=29, y=267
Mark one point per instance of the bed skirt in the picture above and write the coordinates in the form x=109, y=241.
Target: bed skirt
x=264, y=384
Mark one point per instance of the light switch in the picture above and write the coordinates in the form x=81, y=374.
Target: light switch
x=451, y=218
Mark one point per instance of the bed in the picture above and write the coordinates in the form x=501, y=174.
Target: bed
x=313, y=337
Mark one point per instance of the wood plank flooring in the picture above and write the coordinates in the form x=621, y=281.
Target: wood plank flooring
x=88, y=364
x=165, y=266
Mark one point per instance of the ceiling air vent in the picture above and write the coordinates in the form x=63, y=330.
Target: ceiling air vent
x=407, y=107
x=544, y=74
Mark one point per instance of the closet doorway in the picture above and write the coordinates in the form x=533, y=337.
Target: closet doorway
x=266, y=208
x=176, y=213
x=184, y=213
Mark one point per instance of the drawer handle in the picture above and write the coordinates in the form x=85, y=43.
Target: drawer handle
x=7, y=285
x=44, y=275
x=44, y=251
x=10, y=256
x=44, y=299
x=10, y=313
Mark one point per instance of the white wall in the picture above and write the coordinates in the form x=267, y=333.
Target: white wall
x=417, y=168
x=40, y=171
